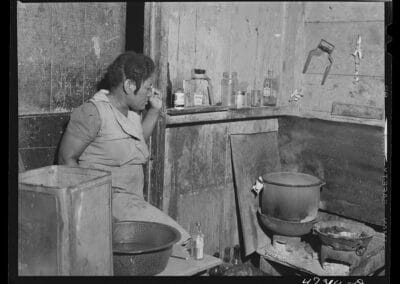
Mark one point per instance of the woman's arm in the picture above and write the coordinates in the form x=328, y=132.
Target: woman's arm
x=150, y=120
x=81, y=131
x=70, y=150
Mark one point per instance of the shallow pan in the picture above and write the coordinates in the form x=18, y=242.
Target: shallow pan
x=286, y=228
x=142, y=248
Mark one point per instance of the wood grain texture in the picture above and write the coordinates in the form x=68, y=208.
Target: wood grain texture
x=252, y=155
x=344, y=37
x=369, y=91
x=350, y=11
x=357, y=111
x=34, y=64
x=337, y=153
x=198, y=168
x=63, y=50
x=292, y=49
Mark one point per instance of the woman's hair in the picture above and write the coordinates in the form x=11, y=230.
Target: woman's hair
x=128, y=65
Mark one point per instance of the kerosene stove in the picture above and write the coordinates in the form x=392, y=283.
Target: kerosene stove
x=352, y=258
x=343, y=241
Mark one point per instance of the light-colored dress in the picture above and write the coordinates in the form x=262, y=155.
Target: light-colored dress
x=119, y=147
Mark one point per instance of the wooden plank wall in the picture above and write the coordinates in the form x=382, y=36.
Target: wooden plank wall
x=63, y=49
x=349, y=157
x=340, y=24
x=198, y=182
x=225, y=36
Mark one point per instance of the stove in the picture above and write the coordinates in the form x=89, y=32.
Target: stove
x=351, y=258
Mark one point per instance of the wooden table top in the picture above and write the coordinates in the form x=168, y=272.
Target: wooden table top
x=183, y=267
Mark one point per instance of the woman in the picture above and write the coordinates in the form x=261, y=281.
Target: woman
x=107, y=132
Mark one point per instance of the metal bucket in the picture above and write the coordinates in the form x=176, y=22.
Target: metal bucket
x=142, y=248
x=291, y=196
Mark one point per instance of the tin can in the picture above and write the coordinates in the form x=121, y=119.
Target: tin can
x=239, y=99
x=179, y=99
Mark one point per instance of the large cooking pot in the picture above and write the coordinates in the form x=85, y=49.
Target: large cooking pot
x=291, y=196
x=142, y=248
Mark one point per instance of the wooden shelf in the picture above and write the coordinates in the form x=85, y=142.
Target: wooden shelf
x=212, y=114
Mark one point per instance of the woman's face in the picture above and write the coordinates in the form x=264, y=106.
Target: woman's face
x=139, y=100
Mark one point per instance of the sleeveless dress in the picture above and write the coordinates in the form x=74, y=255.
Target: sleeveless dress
x=120, y=147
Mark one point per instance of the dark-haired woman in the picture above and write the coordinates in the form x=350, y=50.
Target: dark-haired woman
x=108, y=132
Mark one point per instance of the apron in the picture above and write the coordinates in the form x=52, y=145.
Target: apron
x=120, y=148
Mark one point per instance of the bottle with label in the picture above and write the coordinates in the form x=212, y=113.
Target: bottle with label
x=198, y=247
x=179, y=99
x=269, y=98
x=235, y=88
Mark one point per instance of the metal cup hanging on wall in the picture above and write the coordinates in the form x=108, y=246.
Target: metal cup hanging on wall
x=323, y=46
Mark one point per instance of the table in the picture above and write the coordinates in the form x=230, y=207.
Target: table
x=183, y=267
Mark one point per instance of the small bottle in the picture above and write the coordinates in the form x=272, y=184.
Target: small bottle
x=235, y=87
x=225, y=89
x=236, y=255
x=170, y=97
x=198, y=243
x=267, y=84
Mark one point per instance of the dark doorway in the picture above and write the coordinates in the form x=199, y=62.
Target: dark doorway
x=134, y=26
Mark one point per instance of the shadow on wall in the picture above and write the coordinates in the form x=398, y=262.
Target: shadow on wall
x=296, y=157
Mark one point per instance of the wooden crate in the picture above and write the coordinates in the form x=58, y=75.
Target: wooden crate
x=64, y=222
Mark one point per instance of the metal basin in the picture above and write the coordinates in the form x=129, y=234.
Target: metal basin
x=286, y=228
x=142, y=248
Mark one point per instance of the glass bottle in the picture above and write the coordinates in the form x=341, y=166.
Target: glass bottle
x=235, y=87
x=198, y=243
x=236, y=255
x=267, y=87
x=170, y=97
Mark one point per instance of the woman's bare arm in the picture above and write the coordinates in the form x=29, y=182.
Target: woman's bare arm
x=70, y=150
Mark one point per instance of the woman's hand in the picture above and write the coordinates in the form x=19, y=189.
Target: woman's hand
x=156, y=99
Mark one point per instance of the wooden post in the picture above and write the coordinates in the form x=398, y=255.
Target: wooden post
x=156, y=46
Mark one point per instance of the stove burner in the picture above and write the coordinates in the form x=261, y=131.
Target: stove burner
x=285, y=240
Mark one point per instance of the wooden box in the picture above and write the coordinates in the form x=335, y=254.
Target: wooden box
x=64, y=222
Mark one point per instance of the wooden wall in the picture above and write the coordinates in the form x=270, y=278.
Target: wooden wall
x=251, y=38
x=348, y=157
x=198, y=182
x=225, y=36
x=340, y=24
x=63, y=49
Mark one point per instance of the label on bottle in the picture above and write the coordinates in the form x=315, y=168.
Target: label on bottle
x=266, y=91
x=179, y=101
x=198, y=99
